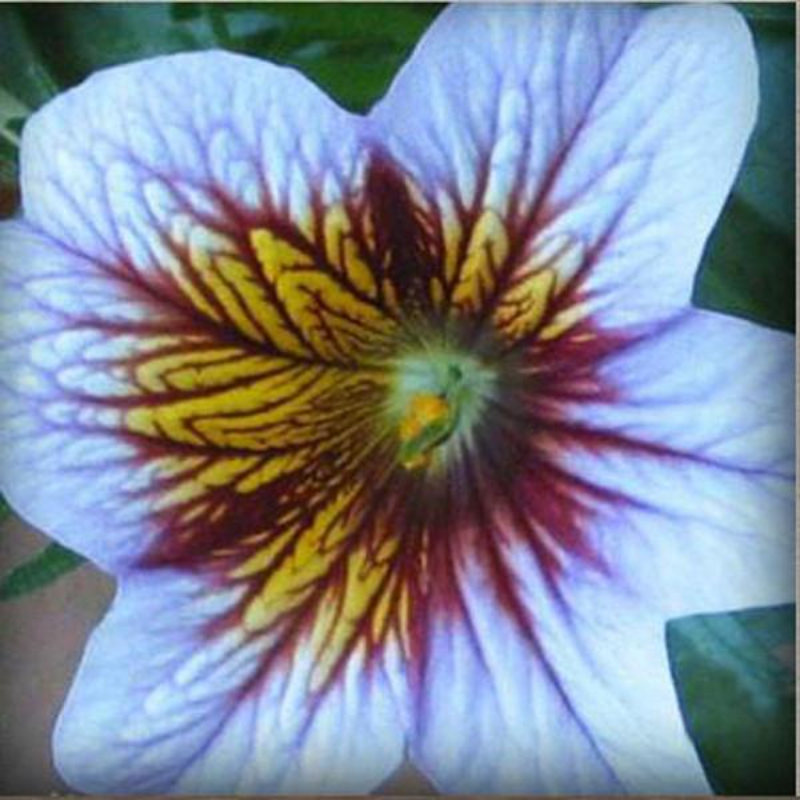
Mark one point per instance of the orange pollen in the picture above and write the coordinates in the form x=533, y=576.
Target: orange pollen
x=424, y=410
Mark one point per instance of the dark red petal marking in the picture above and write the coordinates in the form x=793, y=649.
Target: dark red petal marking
x=254, y=388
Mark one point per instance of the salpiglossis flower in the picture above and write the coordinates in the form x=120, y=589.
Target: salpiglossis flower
x=399, y=432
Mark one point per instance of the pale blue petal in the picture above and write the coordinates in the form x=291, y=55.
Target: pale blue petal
x=713, y=524
x=687, y=477
x=709, y=527
x=617, y=129
x=162, y=704
x=63, y=465
x=606, y=647
x=492, y=719
x=153, y=148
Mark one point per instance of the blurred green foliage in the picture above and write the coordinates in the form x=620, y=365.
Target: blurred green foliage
x=351, y=50
x=735, y=678
x=45, y=567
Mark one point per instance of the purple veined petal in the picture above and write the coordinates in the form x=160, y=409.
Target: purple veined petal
x=180, y=206
x=492, y=718
x=578, y=701
x=128, y=164
x=596, y=141
x=712, y=398
x=163, y=704
x=66, y=485
x=184, y=305
x=684, y=475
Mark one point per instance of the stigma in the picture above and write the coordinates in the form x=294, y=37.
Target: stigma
x=438, y=397
x=428, y=423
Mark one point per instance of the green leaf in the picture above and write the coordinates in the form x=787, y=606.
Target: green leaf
x=45, y=567
x=734, y=674
x=779, y=14
x=23, y=73
x=767, y=180
x=185, y=10
x=64, y=37
x=351, y=49
x=8, y=154
x=16, y=124
x=748, y=268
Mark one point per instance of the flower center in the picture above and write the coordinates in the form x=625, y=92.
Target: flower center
x=436, y=401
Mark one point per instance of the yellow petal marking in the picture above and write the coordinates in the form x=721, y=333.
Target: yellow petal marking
x=522, y=307
x=196, y=369
x=188, y=288
x=564, y=321
x=437, y=294
x=220, y=473
x=337, y=625
x=249, y=301
x=452, y=233
x=266, y=554
x=390, y=296
x=274, y=468
x=292, y=405
x=312, y=553
x=237, y=289
x=534, y=287
x=340, y=326
x=487, y=252
x=228, y=280
x=342, y=251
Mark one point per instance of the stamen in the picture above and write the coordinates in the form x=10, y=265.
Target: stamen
x=429, y=422
x=437, y=398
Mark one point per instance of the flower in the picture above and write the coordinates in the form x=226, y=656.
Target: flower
x=398, y=432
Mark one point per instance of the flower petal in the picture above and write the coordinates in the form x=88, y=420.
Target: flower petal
x=192, y=261
x=208, y=186
x=684, y=475
x=700, y=438
x=581, y=151
x=173, y=706
x=129, y=429
x=492, y=717
x=67, y=486
x=563, y=700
